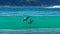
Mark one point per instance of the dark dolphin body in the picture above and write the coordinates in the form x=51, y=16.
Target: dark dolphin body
x=30, y=21
x=26, y=18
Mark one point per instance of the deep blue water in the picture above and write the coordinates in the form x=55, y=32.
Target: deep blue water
x=29, y=2
x=32, y=11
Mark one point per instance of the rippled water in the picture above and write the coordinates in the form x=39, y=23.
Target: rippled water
x=33, y=11
x=31, y=31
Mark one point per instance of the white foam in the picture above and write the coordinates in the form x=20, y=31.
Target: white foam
x=57, y=6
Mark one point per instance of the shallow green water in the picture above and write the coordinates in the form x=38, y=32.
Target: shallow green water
x=16, y=22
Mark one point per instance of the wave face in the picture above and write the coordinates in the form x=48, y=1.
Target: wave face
x=32, y=11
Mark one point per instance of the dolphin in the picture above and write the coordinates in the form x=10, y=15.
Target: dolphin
x=26, y=18
x=30, y=21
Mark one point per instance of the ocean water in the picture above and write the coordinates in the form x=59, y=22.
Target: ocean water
x=45, y=20
x=32, y=11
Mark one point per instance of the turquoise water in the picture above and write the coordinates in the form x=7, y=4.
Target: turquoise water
x=42, y=17
x=11, y=20
x=32, y=11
